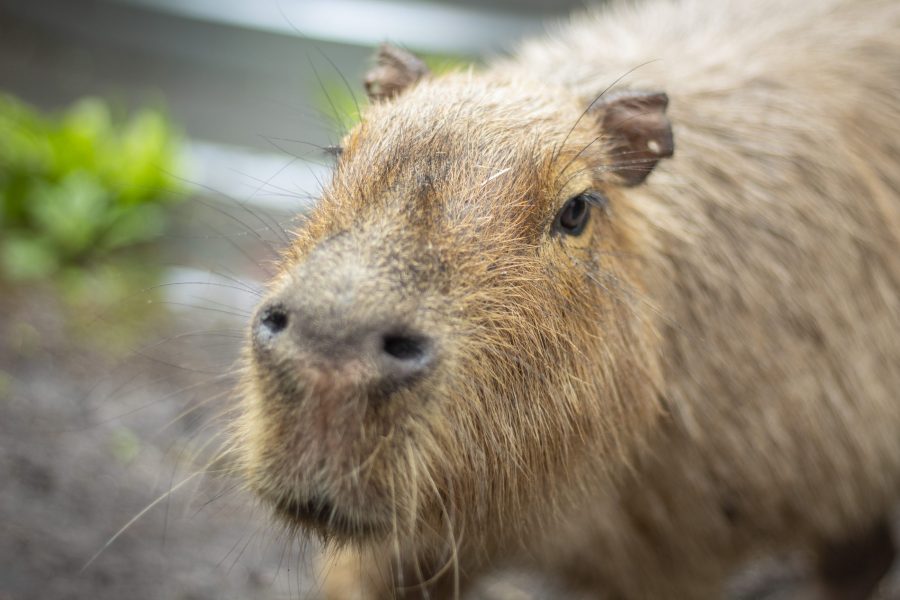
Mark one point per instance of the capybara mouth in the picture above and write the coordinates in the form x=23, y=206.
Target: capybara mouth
x=321, y=515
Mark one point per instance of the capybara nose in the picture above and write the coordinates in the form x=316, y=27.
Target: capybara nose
x=388, y=352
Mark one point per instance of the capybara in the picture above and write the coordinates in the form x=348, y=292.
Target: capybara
x=622, y=307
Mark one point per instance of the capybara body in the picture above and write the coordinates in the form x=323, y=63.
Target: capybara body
x=624, y=307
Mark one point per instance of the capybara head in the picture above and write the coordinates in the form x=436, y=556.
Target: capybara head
x=457, y=336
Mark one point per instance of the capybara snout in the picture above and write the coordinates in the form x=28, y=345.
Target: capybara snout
x=333, y=311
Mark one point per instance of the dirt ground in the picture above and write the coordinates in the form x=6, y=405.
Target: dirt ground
x=88, y=441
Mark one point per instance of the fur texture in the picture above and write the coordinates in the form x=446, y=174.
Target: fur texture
x=709, y=372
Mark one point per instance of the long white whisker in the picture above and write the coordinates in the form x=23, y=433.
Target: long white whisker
x=135, y=518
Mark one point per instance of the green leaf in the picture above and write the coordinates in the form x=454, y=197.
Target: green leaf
x=76, y=186
x=72, y=214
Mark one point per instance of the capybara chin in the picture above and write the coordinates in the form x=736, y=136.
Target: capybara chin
x=623, y=307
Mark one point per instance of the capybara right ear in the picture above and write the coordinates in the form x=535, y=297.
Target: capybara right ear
x=395, y=70
x=638, y=132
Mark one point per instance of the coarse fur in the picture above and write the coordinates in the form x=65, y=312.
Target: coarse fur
x=708, y=373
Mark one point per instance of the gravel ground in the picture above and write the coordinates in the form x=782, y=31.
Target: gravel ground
x=88, y=442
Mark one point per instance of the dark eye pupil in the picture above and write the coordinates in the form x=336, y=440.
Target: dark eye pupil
x=573, y=216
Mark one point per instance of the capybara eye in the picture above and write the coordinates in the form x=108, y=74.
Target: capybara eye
x=573, y=217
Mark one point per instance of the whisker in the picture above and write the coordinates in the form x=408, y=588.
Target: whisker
x=134, y=519
x=232, y=217
x=338, y=120
x=604, y=167
x=594, y=101
x=344, y=79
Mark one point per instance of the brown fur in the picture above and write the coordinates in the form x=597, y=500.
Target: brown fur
x=708, y=372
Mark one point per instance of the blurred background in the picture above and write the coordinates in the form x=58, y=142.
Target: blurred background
x=154, y=156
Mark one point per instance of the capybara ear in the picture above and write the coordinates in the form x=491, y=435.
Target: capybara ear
x=395, y=69
x=638, y=132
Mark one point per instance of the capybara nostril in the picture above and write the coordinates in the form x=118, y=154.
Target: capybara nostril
x=405, y=355
x=272, y=320
x=404, y=347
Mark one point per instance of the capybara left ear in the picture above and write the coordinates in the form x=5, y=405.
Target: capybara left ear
x=395, y=70
x=637, y=131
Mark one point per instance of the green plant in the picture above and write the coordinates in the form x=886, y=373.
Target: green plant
x=77, y=186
